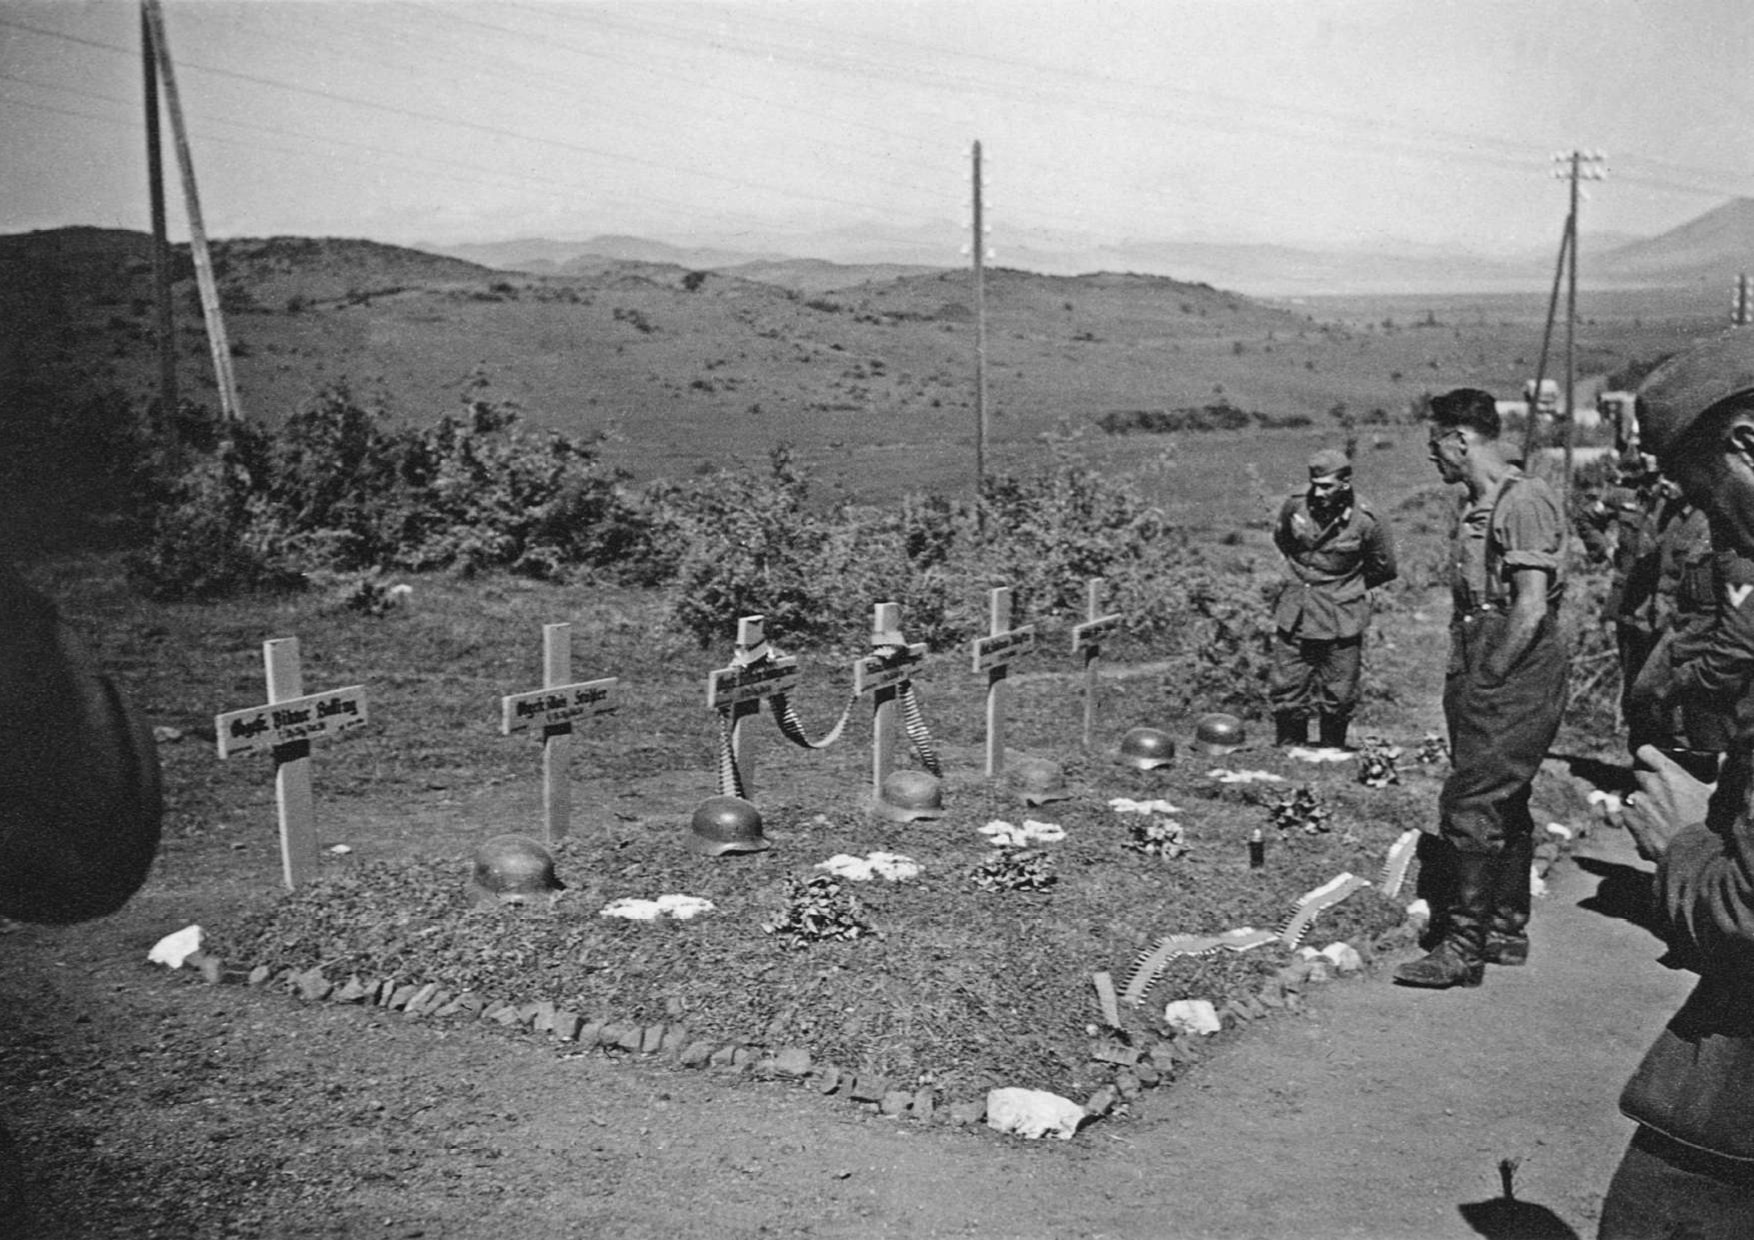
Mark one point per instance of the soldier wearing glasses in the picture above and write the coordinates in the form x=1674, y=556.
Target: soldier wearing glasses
x=1502, y=696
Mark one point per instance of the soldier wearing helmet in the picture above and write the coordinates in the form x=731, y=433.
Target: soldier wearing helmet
x=1502, y=696
x=1336, y=551
x=1690, y=1166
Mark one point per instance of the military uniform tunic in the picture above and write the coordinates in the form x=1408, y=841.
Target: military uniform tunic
x=1322, y=613
x=1500, y=729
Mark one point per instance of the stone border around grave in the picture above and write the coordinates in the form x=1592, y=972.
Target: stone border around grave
x=1130, y=1069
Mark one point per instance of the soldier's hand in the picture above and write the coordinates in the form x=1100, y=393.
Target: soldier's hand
x=1668, y=798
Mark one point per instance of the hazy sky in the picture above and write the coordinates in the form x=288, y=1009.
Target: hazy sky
x=1329, y=122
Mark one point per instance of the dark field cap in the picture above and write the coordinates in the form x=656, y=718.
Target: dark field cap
x=1329, y=462
x=1674, y=395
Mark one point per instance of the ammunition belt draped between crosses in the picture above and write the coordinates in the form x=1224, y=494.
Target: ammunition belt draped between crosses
x=913, y=723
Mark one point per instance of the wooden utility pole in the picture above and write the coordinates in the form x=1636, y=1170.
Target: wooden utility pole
x=161, y=256
x=210, y=309
x=980, y=337
x=1546, y=342
x=1576, y=161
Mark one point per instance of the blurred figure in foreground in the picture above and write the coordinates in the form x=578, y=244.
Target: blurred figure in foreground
x=80, y=804
x=1337, y=551
x=1689, y=1170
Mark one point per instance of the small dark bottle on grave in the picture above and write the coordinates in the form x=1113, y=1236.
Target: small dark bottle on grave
x=1257, y=850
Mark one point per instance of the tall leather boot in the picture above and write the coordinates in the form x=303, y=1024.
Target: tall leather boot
x=1459, y=960
x=1507, y=938
x=1334, y=732
x=1290, y=728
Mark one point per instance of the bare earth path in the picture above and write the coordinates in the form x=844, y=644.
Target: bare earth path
x=147, y=1106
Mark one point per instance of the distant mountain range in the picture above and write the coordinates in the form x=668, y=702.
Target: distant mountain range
x=1713, y=248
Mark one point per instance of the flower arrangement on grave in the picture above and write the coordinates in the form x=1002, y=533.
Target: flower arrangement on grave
x=1014, y=869
x=818, y=910
x=1299, y=810
x=1376, y=763
x=1156, y=837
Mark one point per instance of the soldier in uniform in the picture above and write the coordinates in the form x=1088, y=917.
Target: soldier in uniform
x=1502, y=696
x=1681, y=604
x=1690, y=1167
x=1337, y=551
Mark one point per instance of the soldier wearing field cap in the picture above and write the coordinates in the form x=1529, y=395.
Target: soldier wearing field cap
x=1502, y=695
x=1336, y=551
x=1690, y=1167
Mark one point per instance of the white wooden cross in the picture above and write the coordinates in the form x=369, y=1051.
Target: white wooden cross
x=992, y=654
x=285, y=727
x=881, y=676
x=553, y=709
x=1087, y=638
x=754, y=674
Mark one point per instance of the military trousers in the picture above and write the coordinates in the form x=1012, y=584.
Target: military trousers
x=1315, y=677
x=1499, y=731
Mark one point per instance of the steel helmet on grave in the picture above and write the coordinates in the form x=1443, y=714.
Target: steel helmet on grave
x=726, y=824
x=1147, y=748
x=1038, y=780
x=909, y=795
x=1218, y=733
x=513, y=869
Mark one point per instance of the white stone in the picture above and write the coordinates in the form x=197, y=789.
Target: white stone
x=1537, y=884
x=341, y=850
x=1033, y=1113
x=1193, y=1016
x=1419, y=910
x=1344, y=957
x=1559, y=829
x=173, y=949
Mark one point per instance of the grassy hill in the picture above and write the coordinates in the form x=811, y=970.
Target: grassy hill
x=872, y=381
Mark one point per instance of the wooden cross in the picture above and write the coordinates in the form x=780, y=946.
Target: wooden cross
x=285, y=727
x=754, y=674
x=1087, y=638
x=881, y=676
x=992, y=655
x=553, y=709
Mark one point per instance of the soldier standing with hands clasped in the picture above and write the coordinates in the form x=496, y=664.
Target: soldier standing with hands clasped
x=1337, y=551
x=1689, y=1170
x=1502, y=696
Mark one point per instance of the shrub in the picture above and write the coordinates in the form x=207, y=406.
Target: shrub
x=335, y=489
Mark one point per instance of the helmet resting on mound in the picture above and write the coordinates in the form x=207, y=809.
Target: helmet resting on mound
x=1147, y=748
x=1037, y=780
x=513, y=869
x=910, y=795
x=1218, y=733
x=726, y=825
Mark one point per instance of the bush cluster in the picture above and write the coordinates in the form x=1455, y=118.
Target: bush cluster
x=1222, y=416
x=337, y=489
